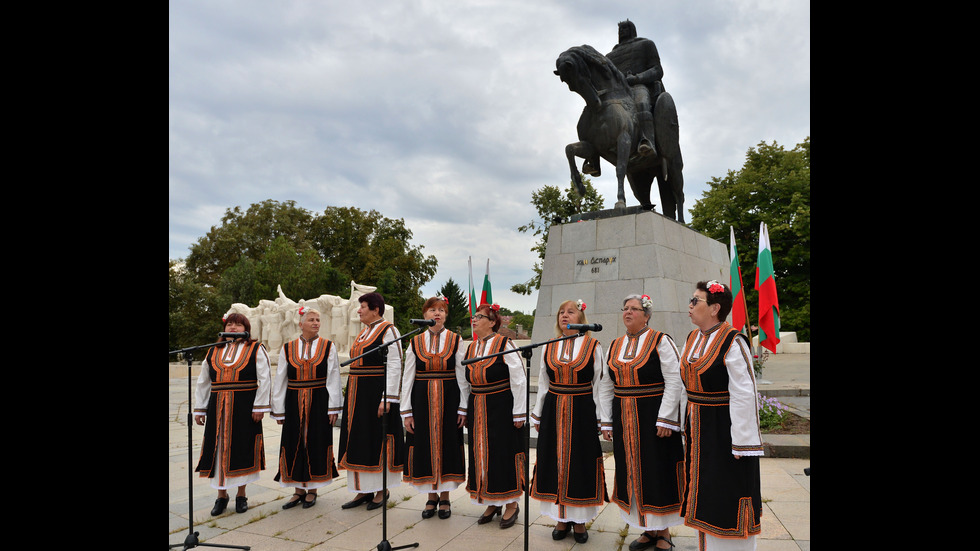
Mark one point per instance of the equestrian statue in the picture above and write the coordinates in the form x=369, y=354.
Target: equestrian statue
x=629, y=120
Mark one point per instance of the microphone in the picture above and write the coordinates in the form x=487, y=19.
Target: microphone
x=430, y=323
x=585, y=326
x=244, y=335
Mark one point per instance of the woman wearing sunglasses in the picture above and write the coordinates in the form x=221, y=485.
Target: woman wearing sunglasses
x=641, y=396
x=495, y=418
x=723, y=500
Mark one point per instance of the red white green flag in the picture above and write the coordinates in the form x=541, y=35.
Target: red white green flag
x=485, y=296
x=765, y=283
x=738, y=295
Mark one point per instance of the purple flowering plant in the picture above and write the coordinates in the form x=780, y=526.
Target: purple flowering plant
x=771, y=412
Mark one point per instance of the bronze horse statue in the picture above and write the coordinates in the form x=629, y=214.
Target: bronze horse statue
x=608, y=129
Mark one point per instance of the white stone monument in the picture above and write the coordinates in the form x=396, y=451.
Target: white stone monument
x=277, y=322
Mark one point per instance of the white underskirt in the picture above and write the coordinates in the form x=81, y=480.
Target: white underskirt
x=578, y=515
x=443, y=486
x=363, y=483
x=649, y=521
x=233, y=482
x=712, y=543
x=305, y=485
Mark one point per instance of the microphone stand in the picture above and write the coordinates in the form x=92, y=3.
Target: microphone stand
x=191, y=541
x=526, y=351
x=383, y=349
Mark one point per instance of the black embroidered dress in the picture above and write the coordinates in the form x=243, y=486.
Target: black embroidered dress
x=234, y=382
x=723, y=501
x=642, y=391
x=431, y=396
x=498, y=388
x=305, y=392
x=372, y=379
x=569, y=478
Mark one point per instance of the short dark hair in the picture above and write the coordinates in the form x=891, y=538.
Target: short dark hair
x=237, y=317
x=722, y=298
x=374, y=302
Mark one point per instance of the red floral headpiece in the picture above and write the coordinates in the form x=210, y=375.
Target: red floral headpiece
x=715, y=287
x=581, y=305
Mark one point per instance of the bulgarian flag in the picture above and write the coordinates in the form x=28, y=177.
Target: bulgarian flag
x=765, y=283
x=739, y=315
x=485, y=295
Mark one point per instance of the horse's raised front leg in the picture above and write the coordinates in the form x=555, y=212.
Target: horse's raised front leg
x=579, y=149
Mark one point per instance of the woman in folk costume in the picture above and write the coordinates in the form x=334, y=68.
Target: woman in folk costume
x=434, y=410
x=306, y=400
x=232, y=396
x=641, y=398
x=496, y=412
x=723, y=500
x=372, y=391
x=569, y=479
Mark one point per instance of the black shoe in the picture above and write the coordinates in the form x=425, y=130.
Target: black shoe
x=293, y=502
x=356, y=502
x=637, y=545
x=557, y=534
x=487, y=518
x=445, y=513
x=219, y=506
x=241, y=504
x=582, y=536
x=372, y=505
x=429, y=513
x=306, y=503
x=508, y=522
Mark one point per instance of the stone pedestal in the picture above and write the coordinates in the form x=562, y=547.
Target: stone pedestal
x=604, y=259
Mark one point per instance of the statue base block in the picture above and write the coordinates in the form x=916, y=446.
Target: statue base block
x=603, y=259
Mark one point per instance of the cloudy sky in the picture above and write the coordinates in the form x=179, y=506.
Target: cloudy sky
x=447, y=113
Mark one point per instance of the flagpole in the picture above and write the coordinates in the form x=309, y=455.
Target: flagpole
x=741, y=283
x=748, y=325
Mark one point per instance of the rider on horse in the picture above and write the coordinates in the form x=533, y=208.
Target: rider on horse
x=639, y=61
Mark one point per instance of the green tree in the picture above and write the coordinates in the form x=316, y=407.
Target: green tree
x=247, y=234
x=240, y=284
x=194, y=314
x=772, y=187
x=458, y=315
x=524, y=320
x=272, y=243
x=554, y=206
